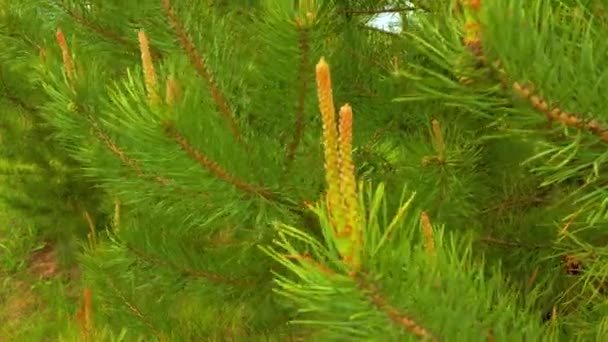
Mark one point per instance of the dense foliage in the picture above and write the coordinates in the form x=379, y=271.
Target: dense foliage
x=277, y=170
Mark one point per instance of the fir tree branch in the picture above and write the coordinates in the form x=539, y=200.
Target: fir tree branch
x=402, y=320
x=192, y=152
x=303, y=83
x=121, y=155
x=103, y=32
x=528, y=93
x=133, y=164
x=106, y=141
x=96, y=129
x=130, y=163
x=555, y=113
x=474, y=44
x=199, y=64
x=209, y=276
x=212, y=166
x=306, y=258
x=135, y=311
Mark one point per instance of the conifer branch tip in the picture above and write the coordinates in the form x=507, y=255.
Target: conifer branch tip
x=341, y=195
x=427, y=230
x=439, y=142
x=330, y=140
x=303, y=85
x=173, y=92
x=67, y=58
x=200, y=66
x=148, y=66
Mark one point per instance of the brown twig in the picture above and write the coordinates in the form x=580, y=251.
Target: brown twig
x=211, y=165
x=307, y=259
x=121, y=155
x=554, y=113
x=134, y=310
x=200, y=65
x=398, y=318
x=103, y=32
x=96, y=129
x=303, y=83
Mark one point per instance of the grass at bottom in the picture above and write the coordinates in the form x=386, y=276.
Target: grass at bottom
x=38, y=296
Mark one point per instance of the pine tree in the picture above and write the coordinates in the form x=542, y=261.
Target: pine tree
x=278, y=170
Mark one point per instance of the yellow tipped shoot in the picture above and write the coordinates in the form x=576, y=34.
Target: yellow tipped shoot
x=67, y=58
x=148, y=65
x=342, y=199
